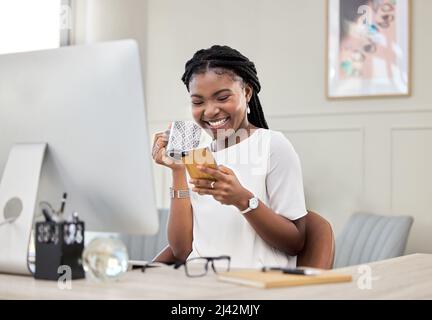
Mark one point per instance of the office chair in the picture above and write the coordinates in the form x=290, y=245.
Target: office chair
x=319, y=247
x=371, y=237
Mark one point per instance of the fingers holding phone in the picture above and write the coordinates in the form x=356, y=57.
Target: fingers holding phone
x=227, y=189
x=199, y=157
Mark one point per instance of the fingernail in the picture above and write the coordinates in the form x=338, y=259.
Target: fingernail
x=199, y=167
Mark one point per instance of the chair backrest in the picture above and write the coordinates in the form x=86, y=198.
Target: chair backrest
x=371, y=237
x=319, y=247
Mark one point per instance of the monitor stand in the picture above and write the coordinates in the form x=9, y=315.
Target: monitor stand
x=18, y=196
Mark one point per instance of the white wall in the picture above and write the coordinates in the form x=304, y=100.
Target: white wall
x=372, y=154
x=105, y=20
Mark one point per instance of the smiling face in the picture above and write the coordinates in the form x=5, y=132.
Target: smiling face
x=219, y=101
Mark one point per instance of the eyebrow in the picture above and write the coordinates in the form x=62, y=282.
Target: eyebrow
x=214, y=94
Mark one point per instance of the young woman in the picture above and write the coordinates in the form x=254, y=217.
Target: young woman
x=255, y=211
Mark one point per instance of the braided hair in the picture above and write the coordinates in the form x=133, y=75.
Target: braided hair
x=231, y=61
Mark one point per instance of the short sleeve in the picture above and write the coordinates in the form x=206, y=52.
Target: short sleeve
x=284, y=179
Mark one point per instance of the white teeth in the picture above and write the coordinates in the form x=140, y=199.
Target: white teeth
x=218, y=122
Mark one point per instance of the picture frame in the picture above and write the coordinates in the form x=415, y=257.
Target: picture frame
x=368, y=48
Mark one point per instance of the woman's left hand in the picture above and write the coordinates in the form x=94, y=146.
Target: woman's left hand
x=227, y=189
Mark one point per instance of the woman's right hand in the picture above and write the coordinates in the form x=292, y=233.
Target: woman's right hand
x=159, y=152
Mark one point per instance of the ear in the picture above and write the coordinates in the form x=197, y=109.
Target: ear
x=248, y=92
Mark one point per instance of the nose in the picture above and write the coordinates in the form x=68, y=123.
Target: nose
x=211, y=111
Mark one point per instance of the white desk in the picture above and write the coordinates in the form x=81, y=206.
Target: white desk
x=408, y=277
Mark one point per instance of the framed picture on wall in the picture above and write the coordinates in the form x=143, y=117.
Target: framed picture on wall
x=368, y=48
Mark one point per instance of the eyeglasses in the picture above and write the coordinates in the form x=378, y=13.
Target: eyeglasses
x=198, y=267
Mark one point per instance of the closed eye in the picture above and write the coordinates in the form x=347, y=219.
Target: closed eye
x=223, y=98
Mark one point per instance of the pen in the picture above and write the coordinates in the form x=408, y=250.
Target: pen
x=48, y=212
x=305, y=272
x=47, y=215
x=298, y=271
x=63, y=203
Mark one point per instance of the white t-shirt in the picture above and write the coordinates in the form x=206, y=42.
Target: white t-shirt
x=267, y=165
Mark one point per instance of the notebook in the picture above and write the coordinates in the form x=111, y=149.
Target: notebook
x=277, y=279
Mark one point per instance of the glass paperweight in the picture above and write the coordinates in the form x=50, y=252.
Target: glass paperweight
x=105, y=259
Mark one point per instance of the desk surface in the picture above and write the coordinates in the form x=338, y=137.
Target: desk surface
x=407, y=277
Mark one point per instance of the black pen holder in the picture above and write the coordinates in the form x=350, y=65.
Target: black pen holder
x=59, y=248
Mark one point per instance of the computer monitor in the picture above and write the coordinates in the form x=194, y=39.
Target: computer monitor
x=73, y=120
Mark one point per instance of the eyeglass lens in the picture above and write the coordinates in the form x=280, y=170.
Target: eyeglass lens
x=197, y=267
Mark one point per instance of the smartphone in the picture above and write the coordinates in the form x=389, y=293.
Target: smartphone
x=202, y=156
